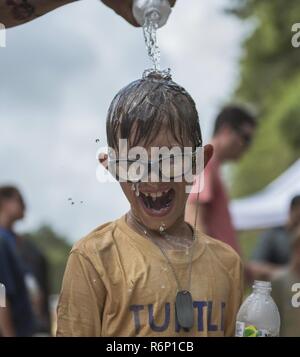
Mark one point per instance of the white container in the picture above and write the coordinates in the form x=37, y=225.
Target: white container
x=157, y=10
x=258, y=315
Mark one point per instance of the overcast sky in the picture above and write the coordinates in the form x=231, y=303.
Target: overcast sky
x=58, y=75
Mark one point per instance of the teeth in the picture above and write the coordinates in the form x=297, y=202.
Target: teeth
x=153, y=195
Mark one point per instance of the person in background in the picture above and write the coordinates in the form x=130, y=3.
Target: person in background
x=17, y=318
x=37, y=265
x=286, y=291
x=233, y=133
x=23, y=271
x=17, y=12
x=273, y=251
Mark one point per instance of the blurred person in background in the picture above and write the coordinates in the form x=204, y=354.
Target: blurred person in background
x=286, y=291
x=233, y=133
x=20, y=272
x=273, y=251
x=37, y=281
x=16, y=12
x=17, y=318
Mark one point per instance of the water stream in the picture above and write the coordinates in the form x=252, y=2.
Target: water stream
x=150, y=35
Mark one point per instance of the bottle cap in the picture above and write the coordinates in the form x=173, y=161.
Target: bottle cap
x=259, y=284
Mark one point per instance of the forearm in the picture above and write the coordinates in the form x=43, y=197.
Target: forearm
x=6, y=322
x=261, y=270
x=17, y=12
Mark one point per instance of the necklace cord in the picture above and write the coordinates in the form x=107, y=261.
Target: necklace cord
x=145, y=231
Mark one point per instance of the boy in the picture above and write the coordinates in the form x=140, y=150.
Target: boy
x=150, y=273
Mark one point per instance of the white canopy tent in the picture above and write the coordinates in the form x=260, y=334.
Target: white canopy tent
x=269, y=207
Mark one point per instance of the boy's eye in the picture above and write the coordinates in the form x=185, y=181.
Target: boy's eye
x=170, y=159
x=136, y=172
x=173, y=166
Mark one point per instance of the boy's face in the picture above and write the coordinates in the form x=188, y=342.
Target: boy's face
x=158, y=202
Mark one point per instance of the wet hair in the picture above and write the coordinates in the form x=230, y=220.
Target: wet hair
x=235, y=117
x=142, y=108
x=9, y=192
x=295, y=202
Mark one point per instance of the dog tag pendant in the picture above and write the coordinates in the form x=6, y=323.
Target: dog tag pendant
x=184, y=309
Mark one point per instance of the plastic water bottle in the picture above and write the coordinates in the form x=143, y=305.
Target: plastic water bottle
x=157, y=10
x=258, y=315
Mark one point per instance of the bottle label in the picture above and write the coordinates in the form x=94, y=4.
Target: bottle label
x=246, y=330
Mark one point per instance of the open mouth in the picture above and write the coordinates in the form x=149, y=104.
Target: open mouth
x=157, y=203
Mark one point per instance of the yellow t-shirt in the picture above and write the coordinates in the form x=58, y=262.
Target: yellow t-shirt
x=118, y=283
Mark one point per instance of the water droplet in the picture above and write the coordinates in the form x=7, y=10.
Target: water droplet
x=97, y=141
x=81, y=201
x=162, y=286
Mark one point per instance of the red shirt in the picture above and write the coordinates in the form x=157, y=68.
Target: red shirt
x=215, y=206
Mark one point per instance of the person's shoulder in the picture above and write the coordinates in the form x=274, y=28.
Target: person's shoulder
x=220, y=247
x=223, y=254
x=98, y=240
x=4, y=245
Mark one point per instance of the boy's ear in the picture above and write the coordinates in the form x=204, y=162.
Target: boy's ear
x=208, y=153
x=103, y=159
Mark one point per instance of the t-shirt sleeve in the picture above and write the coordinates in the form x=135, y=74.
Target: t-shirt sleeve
x=81, y=301
x=236, y=298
